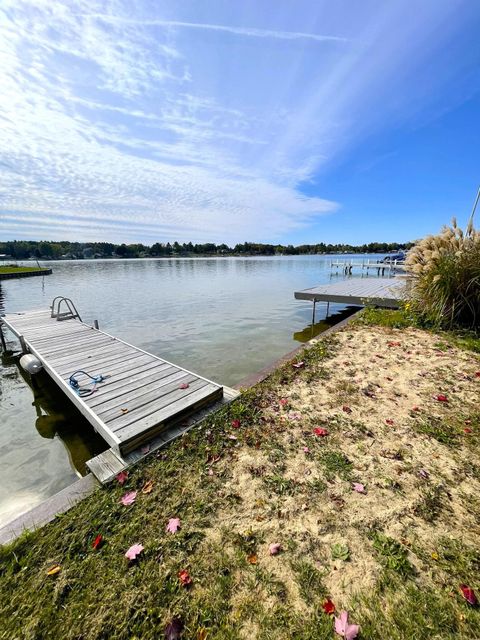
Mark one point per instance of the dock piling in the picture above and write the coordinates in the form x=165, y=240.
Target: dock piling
x=2, y=339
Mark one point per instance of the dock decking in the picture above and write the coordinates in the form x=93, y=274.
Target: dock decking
x=142, y=394
x=381, y=292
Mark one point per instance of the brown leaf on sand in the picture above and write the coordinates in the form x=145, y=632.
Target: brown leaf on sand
x=252, y=558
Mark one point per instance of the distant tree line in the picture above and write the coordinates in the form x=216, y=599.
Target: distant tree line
x=46, y=250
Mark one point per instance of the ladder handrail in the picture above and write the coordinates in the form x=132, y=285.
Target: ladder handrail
x=65, y=315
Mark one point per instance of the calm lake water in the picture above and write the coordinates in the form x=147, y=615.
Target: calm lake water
x=223, y=318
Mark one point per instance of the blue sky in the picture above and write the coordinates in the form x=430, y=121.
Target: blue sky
x=145, y=121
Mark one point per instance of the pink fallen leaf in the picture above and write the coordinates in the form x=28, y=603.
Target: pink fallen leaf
x=359, y=487
x=173, y=525
x=232, y=437
x=128, y=498
x=294, y=415
x=283, y=402
x=275, y=548
x=184, y=385
x=122, y=477
x=236, y=424
x=319, y=431
x=174, y=629
x=389, y=421
x=424, y=474
x=441, y=397
x=344, y=628
x=298, y=365
x=306, y=450
x=469, y=595
x=467, y=430
x=134, y=551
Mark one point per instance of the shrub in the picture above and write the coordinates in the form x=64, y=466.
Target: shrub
x=445, y=282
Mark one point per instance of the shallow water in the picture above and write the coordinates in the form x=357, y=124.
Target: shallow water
x=223, y=318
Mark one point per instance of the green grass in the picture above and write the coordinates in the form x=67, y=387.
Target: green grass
x=392, y=554
x=5, y=270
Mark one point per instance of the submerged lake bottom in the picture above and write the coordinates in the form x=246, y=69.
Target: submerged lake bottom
x=222, y=318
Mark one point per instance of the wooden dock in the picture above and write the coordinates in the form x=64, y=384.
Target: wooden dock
x=380, y=292
x=142, y=395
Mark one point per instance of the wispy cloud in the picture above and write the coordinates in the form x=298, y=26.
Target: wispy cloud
x=121, y=125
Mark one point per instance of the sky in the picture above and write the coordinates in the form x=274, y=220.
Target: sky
x=291, y=121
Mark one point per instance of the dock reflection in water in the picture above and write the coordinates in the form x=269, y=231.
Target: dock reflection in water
x=313, y=330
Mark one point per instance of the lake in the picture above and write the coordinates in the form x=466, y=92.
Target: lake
x=223, y=318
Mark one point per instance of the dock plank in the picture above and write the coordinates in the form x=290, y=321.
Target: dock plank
x=383, y=292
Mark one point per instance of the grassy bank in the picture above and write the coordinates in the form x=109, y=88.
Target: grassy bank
x=361, y=463
x=14, y=269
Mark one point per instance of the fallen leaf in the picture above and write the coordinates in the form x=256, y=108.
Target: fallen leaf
x=328, y=607
x=389, y=421
x=346, y=409
x=477, y=374
x=134, y=551
x=434, y=555
x=415, y=408
x=275, y=548
x=344, y=628
x=184, y=385
x=174, y=629
x=173, y=525
x=319, y=431
x=467, y=430
x=128, y=498
x=306, y=450
x=56, y=568
x=124, y=410
x=357, y=486
x=469, y=595
x=236, y=424
x=423, y=473
x=98, y=542
x=283, y=402
x=441, y=397
x=184, y=578
x=294, y=415
x=252, y=558
x=391, y=343
x=202, y=634
x=232, y=437
x=147, y=487
x=298, y=365
x=122, y=477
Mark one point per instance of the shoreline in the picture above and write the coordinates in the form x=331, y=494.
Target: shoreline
x=25, y=274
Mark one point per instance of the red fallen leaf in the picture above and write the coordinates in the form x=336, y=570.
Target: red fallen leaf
x=441, y=397
x=122, y=477
x=469, y=595
x=97, y=543
x=328, y=607
x=319, y=431
x=389, y=421
x=346, y=409
x=392, y=343
x=235, y=424
x=283, y=402
x=415, y=408
x=174, y=629
x=298, y=365
x=477, y=374
x=184, y=385
x=467, y=430
x=184, y=578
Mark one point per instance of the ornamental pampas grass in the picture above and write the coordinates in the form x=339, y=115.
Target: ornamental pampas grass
x=445, y=270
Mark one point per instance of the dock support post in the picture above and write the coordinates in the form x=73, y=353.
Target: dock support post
x=328, y=307
x=22, y=344
x=95, y=324
x=2, y=339
x=313, y=314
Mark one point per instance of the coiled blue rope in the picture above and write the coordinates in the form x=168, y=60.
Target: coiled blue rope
x=84, y=390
